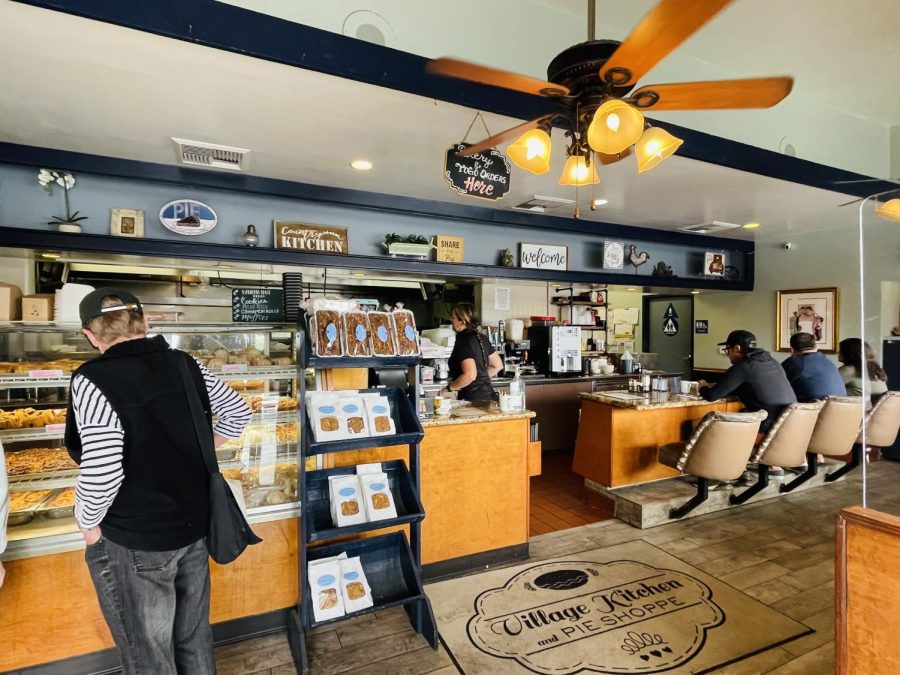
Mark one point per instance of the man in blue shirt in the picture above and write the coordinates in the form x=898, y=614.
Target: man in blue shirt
x=811, y=374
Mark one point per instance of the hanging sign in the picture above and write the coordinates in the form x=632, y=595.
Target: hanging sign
x=449, y=249
x=257, y=305
x=485, y=174
x=670, y=321
x=188, y=216
x=543, y=256
x=311, y=238
x=701, y=326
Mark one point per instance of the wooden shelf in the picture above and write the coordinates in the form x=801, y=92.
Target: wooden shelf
x=577, y=303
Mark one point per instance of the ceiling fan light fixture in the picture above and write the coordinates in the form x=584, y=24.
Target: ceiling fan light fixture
x=615, y=126
x=890, y=210
x=532, y=151
x=653, y=147
x=577, y=172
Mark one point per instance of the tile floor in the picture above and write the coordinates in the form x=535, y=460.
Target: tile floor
x=559, y=500
x=780, y=551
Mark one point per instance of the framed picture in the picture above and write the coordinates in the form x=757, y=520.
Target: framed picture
x=813, y=311
x=714, y=264
x=543, y=256
x=126, y=223
x=613, y=255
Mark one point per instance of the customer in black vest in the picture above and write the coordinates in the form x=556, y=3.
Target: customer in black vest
x=755, y=378
x=473, y=361
x=142, y=500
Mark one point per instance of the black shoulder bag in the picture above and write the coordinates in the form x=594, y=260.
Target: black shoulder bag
x=229, y=533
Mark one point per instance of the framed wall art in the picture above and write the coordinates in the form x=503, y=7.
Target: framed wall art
x=126, y=223
x=814, y=311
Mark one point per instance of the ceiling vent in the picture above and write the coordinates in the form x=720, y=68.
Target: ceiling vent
x=211, y=156
x=540, y=204
x=709, y=228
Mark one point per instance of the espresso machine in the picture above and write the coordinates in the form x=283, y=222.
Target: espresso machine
x=556, y=350
x=515, y=356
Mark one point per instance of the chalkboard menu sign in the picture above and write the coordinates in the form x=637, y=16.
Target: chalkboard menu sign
x=257, y=305
x=485, y=174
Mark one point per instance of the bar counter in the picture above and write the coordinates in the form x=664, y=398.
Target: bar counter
x=474, y=487
x=620, y=433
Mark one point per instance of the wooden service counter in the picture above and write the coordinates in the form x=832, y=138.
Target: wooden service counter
x=474, y=487
x=620, y=433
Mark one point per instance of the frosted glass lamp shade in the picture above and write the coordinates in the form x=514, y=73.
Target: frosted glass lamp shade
x=653, y=147
x=531, y=151
x=576, y=172
x=615, y=126
x=890, y=210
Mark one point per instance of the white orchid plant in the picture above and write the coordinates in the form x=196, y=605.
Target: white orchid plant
x=65, y=180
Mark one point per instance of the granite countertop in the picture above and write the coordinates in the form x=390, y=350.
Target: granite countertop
x=645, y=401
x=467, y=414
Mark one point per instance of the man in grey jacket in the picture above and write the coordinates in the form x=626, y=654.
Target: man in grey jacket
x=756, y=378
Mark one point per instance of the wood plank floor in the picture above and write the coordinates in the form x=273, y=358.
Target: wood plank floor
x=780, y=551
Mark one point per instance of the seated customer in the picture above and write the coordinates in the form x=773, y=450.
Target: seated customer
x=850, y=353
x=754, y=377
x=811, y=374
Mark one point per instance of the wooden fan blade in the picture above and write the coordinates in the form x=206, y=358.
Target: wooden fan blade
x=612, y=159
x=473, y=72
x=759, y=92
x=665, y=27
x=496, y=139
x=855, y=201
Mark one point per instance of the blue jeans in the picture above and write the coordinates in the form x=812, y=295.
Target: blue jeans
x=156, y=604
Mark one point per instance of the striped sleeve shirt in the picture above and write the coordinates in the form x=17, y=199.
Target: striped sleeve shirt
x=103, y=440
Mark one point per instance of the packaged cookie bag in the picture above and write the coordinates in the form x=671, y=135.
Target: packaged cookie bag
x=407, y=335
x=346, y=500
x=377, y=493
x=378, y=412
x=354, y=585
x=327, y=423
x=382, y=334
x=356, y=334
x=353, y=416
x=325, y=591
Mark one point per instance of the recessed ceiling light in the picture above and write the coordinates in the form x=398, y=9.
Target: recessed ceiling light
x=601, y=202
x=361, y=164
x=695, y=292
x=632, y=288
x=50, y=256
x=751, y=226
x=357, y=274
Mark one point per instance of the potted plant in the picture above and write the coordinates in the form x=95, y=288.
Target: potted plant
x=414, y=245
x=66, y=181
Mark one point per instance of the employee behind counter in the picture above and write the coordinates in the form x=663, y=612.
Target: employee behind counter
x=473, y=361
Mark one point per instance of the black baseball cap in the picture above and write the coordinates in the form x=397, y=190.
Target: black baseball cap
x=91, y=307
x=740, y=338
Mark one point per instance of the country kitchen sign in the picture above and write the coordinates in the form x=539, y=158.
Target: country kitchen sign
x=484, y=175
x=311, y=238
x=543, y=256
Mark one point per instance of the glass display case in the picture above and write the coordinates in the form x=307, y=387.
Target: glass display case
x=36, y=362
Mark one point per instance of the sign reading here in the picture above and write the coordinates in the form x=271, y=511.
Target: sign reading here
x=311, y=238
x=449, y=249
x=543, y=256
x=484, y=174
x=257, y=305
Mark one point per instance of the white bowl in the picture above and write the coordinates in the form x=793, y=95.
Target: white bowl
x=607, y=369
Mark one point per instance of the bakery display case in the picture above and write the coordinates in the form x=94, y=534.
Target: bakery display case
x=36, y=362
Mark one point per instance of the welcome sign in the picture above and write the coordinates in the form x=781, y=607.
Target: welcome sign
x=311, y=238
x=543, y=256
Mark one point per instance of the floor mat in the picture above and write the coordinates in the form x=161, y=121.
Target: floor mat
x=630, y=608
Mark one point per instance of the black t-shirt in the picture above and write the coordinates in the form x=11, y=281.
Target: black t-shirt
x=467, y=347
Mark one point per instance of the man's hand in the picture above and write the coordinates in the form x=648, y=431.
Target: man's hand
x=702, y=383
x=92, y=536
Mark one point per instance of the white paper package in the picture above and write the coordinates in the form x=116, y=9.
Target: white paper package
x=346, y=500
x=352, y=415
x=379, y=500
x=354, y=585
x=325, y=589
x=327, y=424
x=378, y=413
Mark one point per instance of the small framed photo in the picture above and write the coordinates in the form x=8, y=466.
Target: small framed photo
x=126, y=223
x=714, y=264
x=613, y=255
x=813, y=311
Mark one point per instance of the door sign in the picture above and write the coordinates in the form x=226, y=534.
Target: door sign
x=670, y=321
x=701, y=326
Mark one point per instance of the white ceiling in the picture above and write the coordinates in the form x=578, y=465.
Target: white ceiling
x=85, y=86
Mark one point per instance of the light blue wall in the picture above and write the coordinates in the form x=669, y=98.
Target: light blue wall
x=24, y=204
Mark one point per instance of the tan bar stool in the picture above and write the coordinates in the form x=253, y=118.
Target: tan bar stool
x=883, y=421
x=784, y=445
x=718, y=449
x=835, y=435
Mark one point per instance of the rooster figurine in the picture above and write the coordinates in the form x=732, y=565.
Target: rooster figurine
x=637, y=259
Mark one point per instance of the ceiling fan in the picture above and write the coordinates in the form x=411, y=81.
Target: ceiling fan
x=593, y=81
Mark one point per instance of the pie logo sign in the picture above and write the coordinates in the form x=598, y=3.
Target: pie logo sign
x=573, y=616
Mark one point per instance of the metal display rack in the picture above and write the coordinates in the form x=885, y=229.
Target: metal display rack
x=392, y=564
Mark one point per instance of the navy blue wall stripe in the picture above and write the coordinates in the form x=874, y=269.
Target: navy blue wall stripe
x=222, y=26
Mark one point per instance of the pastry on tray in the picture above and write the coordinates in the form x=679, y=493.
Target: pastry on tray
x=26, y=501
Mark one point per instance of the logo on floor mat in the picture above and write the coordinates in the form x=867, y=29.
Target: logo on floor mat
x=617, y=617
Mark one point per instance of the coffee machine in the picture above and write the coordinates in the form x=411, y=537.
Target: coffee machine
x=556, y=350
x=516, y=356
